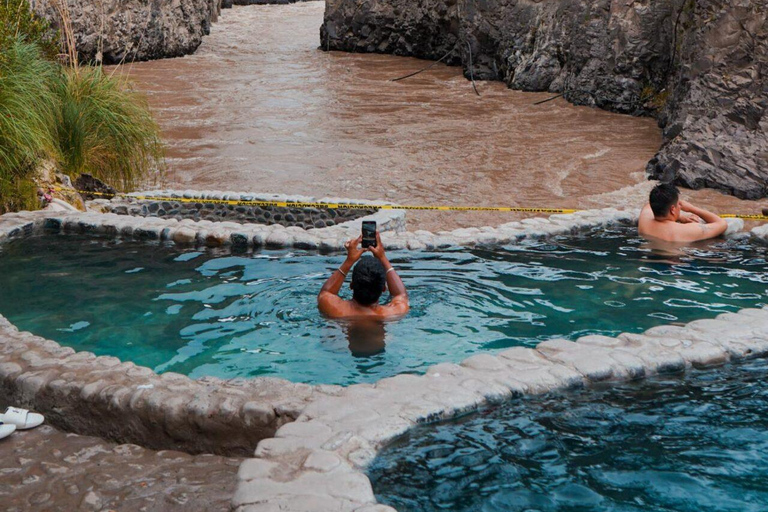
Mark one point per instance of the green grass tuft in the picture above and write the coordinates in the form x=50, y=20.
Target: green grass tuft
x=28, y=110
x=104, y=128
x=51, y=108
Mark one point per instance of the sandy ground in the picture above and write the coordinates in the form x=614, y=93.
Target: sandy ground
x=44, y=469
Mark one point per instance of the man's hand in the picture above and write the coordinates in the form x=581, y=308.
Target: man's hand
x=378, y=251
x=711, y=226
x=687, y=217
x=354, y=251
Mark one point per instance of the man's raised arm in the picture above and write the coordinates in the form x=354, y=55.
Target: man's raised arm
x=714, y=225
x=394, y=283
x=328, y=298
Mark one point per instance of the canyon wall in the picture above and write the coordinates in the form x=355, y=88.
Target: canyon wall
x=113, y=31
x=698, y=66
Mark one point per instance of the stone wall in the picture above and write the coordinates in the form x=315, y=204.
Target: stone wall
x=697, y=65
x=214, y=207
x=114, y=31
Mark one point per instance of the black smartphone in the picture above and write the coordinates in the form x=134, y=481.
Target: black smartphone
x=369, y=233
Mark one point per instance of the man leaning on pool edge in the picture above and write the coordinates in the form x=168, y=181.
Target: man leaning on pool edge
x=668, y=218
x=370, y=278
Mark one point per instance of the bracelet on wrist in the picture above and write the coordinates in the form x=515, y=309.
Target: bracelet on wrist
x=390, y=269
x=342, y=272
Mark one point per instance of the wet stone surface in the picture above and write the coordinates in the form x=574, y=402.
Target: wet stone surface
x=45, y=469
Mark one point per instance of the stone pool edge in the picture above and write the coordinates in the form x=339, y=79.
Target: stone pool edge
x=318, y=462
x=324, y=436
x=125, y=403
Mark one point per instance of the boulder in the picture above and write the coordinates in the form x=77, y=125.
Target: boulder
x=93, y=188
x=114, y=31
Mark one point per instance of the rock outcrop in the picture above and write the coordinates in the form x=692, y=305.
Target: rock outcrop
x=698, y=66
x=113, y=31
x=94, y=188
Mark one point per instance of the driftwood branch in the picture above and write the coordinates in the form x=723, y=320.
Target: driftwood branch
x=426, y=68
x=549, y=99
x=471, y=72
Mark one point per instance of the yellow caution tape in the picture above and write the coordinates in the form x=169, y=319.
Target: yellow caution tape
x=743, y=216
x=354, y=206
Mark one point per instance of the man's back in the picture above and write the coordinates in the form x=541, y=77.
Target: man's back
x=334, y=306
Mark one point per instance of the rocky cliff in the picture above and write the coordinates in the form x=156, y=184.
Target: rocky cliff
x=698, y=66
x=130, y=30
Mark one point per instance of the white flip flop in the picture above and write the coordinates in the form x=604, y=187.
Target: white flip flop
x=6, y=430
x=21, y=418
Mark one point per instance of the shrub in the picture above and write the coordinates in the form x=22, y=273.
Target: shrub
x=104, y=128
x=82, y=118
x=27, y=116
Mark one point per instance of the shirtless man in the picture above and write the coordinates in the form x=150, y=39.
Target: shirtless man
x=370, y=278
x=668, y=218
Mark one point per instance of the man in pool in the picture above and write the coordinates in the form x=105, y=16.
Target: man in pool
x=370, y=278
x=670, y=219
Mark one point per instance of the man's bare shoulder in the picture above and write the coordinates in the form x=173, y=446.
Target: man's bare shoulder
x=398, y=306
x=646, y=221
x=333, y=306
x=704, y=231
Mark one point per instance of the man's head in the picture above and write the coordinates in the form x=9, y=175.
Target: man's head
x=369, y=280
x=664, y=197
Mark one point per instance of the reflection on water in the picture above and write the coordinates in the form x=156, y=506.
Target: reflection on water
x=239, y=315
x=366, y=337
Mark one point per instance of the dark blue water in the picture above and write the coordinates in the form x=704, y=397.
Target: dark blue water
x=240, y=315
x=694, y=444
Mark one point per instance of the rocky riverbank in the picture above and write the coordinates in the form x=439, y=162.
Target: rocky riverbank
x=115, y=31
x=694, y=65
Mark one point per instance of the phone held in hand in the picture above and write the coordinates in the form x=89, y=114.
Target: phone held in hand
x=369, y=233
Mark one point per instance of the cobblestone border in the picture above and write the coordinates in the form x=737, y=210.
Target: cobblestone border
x=208, y=205
x=324, y=436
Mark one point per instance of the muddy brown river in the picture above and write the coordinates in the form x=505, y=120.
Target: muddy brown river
x=260, y=108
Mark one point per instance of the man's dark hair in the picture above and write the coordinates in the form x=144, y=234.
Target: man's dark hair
x=368, y=280
x=663, y=196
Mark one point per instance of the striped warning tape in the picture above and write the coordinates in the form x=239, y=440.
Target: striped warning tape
x=743, y=216
x=355, y=206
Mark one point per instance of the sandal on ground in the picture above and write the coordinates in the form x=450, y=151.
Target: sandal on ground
x=6, y=430
x=22, y=418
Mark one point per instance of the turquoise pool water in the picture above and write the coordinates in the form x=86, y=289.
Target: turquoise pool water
x=241, y=315
x=697, y=443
